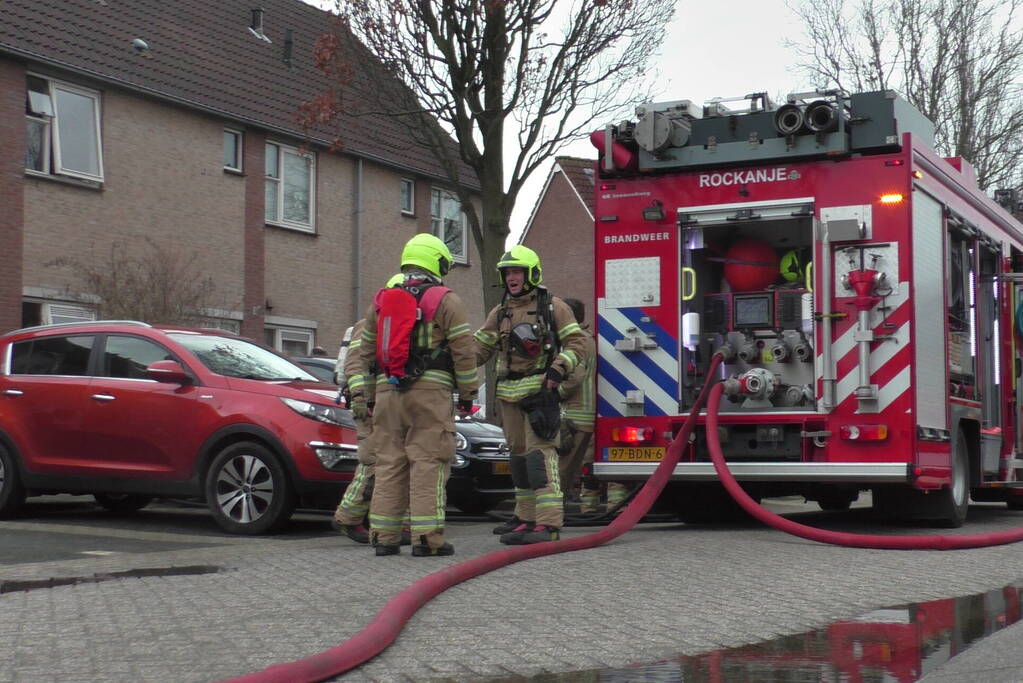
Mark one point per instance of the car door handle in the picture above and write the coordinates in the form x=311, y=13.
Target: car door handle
x=103, y=397
x=13, y=392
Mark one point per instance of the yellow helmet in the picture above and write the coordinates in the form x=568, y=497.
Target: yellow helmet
x=523, y=257
x=428, y=252
x=395, y=280
x=790, y=267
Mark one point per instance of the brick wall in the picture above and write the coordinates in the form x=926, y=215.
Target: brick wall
x=562, y=234
x=12, y=181
x=163, y=181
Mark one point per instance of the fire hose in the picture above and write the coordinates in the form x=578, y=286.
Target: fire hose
x=385, y=627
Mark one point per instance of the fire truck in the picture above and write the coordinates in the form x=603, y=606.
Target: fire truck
x=863, y=292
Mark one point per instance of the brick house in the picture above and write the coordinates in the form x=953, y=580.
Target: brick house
x=125, y=125
x=560, y=230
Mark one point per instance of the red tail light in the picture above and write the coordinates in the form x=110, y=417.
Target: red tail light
x=632, y=435
x=863, y=432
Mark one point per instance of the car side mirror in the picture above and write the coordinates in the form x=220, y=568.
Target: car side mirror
x=169, y=371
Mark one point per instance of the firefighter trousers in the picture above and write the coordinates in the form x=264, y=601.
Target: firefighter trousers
x=579, y=451
x=355, y=502
x=534, y=468
x=414, y=435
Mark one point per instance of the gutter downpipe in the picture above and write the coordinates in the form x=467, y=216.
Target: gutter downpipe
x=357, y=241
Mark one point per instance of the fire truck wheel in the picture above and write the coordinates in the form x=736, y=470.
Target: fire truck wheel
x=955, y=500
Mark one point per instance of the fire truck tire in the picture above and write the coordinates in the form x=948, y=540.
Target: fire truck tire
x=955, y=500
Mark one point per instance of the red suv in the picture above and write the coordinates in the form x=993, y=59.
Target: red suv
x=127, y=411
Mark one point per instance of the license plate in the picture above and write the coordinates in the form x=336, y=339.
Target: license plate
x=635, y=453
x=502, y=468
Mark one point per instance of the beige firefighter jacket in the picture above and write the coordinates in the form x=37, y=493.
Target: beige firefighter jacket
x=579, y=391
x=449, y=323
x=518, y=375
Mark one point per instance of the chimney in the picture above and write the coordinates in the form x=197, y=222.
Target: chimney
x=257, y=20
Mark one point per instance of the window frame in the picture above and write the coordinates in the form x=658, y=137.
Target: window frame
x=54, y=162
x=409, y=210
x=278, y=332
x=279, y=220
x=437, y=194
x=239, y=136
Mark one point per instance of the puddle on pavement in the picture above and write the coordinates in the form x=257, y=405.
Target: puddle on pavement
x=900, y=644
x=35, y=584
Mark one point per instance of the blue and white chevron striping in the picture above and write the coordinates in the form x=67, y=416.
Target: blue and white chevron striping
x=652, y=371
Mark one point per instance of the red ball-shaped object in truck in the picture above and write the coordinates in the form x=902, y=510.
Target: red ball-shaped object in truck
x=750, y=265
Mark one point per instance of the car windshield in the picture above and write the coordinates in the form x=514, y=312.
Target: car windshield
x=234, y=357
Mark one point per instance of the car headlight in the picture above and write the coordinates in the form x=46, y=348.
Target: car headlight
x=458, y=461
x=461, y=443
x=321, y=413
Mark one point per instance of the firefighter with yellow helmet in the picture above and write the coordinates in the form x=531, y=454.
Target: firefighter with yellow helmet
x=538, y=343
x=351, y=511
x=414, y=415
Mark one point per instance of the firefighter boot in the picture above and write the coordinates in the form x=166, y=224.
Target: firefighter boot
x=515, y=536
x=423, y=549
x=540, y=534
x=383, y=549
x=510, y=525
x=357, y=533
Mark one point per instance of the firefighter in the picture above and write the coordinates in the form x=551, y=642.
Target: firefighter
x=414, y=422
x=537, y=343
x=351, y=511
x=578, y=409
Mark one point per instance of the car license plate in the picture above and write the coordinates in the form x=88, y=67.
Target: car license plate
x=502, y=468
x=635, y=453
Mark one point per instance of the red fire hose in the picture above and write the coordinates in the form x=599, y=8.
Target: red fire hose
x=937, y=542
x=386, y=626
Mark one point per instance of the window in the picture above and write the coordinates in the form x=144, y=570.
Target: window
x=447, y=220
x=290, y=182
x=408, y=196
x=45, y=313
x=63, y=135
x=52, y=356
x=232, y=150
x=291, y=342
x=128, y=357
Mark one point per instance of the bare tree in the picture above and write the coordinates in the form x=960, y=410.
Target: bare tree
x=538, y=72
x=959, y=62
x=160, y=286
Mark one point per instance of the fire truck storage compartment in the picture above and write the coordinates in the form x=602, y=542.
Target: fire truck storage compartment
x=749, y=280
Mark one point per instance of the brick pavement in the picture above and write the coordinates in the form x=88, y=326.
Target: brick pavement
x=658, y=592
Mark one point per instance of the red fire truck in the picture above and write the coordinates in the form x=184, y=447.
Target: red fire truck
x=864, y=293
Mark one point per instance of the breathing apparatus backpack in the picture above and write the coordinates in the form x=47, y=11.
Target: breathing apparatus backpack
x=399, y=309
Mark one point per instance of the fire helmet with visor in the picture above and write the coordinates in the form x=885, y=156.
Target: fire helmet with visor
x=429, y=253
x=523, y=257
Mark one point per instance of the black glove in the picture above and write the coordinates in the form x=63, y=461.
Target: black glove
x=554, y=375
x=465, y=408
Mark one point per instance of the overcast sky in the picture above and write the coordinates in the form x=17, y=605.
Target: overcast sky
x=712, y=49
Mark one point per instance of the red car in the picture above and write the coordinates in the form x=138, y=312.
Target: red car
x=127, y=411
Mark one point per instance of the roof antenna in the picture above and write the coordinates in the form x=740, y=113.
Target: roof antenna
x=289, y=43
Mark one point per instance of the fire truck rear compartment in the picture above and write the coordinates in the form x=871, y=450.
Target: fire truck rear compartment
x=751, y=290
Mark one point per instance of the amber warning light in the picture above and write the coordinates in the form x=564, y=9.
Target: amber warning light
x=892, y=198
x=632, y=435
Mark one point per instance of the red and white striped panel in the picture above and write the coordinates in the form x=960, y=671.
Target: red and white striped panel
x=889, y=358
